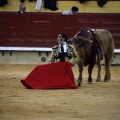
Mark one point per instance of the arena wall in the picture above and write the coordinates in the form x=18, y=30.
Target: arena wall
x=35, y=57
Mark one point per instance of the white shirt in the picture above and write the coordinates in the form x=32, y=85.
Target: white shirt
x=68, y=12
x=64, y=46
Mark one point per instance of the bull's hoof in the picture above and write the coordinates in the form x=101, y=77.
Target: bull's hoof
x=106, y=80
x=89, y=82
x=98, y=80
x=79, y=84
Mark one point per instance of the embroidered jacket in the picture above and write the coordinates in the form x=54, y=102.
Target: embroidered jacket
x=71, y=54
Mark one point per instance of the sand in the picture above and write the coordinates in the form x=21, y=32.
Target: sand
x=96, y=101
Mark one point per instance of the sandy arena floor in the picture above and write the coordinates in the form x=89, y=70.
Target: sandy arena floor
x=96, y=101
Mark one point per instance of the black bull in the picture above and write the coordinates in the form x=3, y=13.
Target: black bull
x=92, y=45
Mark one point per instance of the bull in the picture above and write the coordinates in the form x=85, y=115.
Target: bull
x=92, y=45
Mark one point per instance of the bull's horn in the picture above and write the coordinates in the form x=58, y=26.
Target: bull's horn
x=91, y=41
x=88, y=40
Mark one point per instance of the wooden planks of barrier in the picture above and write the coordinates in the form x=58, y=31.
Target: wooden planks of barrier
x=41, y=29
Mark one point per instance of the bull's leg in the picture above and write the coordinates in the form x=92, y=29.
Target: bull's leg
x=99, y=70
x=90, y=68
x=80, y=75
x=107, y=68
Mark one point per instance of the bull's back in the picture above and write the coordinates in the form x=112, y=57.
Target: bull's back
x=106, y=40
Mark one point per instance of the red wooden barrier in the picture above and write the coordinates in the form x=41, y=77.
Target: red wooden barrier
x=41, y=29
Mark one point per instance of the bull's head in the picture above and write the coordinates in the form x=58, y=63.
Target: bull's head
x=83, y=47
x=79, y=42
